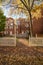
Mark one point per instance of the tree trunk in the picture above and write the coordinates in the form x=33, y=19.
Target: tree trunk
x=30, y=24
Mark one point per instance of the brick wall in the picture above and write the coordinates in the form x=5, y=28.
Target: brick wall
x=38, y=26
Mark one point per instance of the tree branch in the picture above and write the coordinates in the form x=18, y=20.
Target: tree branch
x=21, y=8
x=32, y=4
x=25, y=2
x=29, y=2
x=25, y=5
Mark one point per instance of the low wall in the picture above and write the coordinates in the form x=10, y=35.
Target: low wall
x=35, y=41
x=8, y=41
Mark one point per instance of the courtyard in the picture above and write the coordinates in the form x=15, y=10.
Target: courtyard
x=21, y=54
x=20, y=21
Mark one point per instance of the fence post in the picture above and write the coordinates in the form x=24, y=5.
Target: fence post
x=36, y=35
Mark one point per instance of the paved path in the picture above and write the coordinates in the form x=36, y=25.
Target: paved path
x=24, y=41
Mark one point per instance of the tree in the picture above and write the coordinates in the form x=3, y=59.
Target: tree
x=2, y=21
x=29, y=4
x=26, y=5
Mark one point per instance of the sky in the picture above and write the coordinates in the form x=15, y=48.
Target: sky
x=13, y=15
x=8, y=9
x=6, y=13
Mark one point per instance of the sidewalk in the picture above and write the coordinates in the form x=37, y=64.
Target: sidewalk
x=24, y=41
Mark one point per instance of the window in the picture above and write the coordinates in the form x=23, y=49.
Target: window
x=11, y=27
x=11, y=24
x=11, y=33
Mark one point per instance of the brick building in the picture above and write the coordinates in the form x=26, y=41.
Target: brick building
x=22, y=26
x=38, y=25
x=10, y=26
